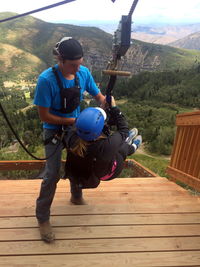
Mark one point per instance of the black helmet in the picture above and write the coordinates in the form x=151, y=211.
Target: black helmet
x=68, y=48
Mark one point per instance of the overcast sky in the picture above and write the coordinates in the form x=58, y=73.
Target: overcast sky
x=146, y=11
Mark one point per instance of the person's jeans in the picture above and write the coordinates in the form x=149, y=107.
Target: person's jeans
x=51, y=176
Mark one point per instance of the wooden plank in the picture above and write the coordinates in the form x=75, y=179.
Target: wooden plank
x=194, y=152
x=189, y=148
x=179, y=136
x=100, y=246
x=116, y=72
x=178, y=175
x=39, y=164
x=108, y=231
x=190, y=118
x=114, y=219
x=63, y=207
x=106, y=188
x=196, y=169
x=131, y=163
x=175, y=147
x=180, y=147
x=119, y=184
x=21, y=165
x=141, y=259
x=127, y=181
x=184, y=148
x=96, y=198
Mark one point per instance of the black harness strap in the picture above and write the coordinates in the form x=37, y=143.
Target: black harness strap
x=59, y=81
x=70, y=97
x=109, y=88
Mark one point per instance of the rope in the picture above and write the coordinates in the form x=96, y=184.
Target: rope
x=37, y=10
x=18, y=139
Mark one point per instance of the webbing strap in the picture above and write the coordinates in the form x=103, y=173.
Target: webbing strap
x=59, y=81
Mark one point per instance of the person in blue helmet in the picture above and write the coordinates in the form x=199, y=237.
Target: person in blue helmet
x=99, y=157
x=58, y=94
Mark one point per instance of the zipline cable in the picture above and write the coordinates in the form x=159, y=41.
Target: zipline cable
x=37, y=10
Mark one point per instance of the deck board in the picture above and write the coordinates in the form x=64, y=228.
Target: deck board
x=126, y=222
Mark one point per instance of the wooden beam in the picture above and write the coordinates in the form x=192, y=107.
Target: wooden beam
x=190, y=118
x=187, y=179
x=21, y=165
x=38, y=164
x=131, y=163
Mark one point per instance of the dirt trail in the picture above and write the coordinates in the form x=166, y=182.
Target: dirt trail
x=141, y=150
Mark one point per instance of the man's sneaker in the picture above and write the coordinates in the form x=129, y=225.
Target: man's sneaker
x=132, y=134
x=137, y=141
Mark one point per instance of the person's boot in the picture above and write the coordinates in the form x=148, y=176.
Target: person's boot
x=46, y=232
x=76, y=195
x=77, y=200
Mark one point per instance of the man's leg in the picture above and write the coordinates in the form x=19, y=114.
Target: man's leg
x=48, y=187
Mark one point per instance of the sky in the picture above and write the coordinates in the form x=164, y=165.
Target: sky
x=147, y=11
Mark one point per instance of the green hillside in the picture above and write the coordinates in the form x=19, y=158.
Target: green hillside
x=38, y=37
x=180, y=87
x=163, y=57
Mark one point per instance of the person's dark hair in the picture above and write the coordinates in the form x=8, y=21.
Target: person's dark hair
x=68, y=48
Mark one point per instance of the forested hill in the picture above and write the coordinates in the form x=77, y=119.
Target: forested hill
x=180, y=87
x=26, y=44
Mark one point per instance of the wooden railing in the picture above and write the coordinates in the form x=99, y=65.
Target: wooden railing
x=185, y=160
x=136, y=167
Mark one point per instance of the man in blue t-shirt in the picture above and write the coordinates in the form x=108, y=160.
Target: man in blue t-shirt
x=58, y=94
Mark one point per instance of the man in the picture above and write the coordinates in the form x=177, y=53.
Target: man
x=58, y=94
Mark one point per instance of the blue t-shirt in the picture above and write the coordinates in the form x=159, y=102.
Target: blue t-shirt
x=47, y=92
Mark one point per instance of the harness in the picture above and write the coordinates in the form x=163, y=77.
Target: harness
x=70, y=97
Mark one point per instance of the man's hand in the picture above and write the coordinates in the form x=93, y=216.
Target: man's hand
x=105, y=104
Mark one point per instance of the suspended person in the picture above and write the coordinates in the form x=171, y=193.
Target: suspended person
x=58, y=94
x=93, y=156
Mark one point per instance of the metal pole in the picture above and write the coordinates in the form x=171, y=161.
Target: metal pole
x=132, y=8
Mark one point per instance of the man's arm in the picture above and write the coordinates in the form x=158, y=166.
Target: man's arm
x=46, y=116
x=100, y=98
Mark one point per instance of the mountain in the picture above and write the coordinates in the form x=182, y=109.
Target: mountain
x=158, y=33
x=26, y=46
x=163, y=34
x=191, y=41
x=18, y=64
x=36, y=37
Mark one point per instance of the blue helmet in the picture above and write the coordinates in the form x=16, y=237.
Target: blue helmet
x=90, y=123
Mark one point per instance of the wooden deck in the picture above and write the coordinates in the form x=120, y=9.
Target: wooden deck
x=127, y=222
